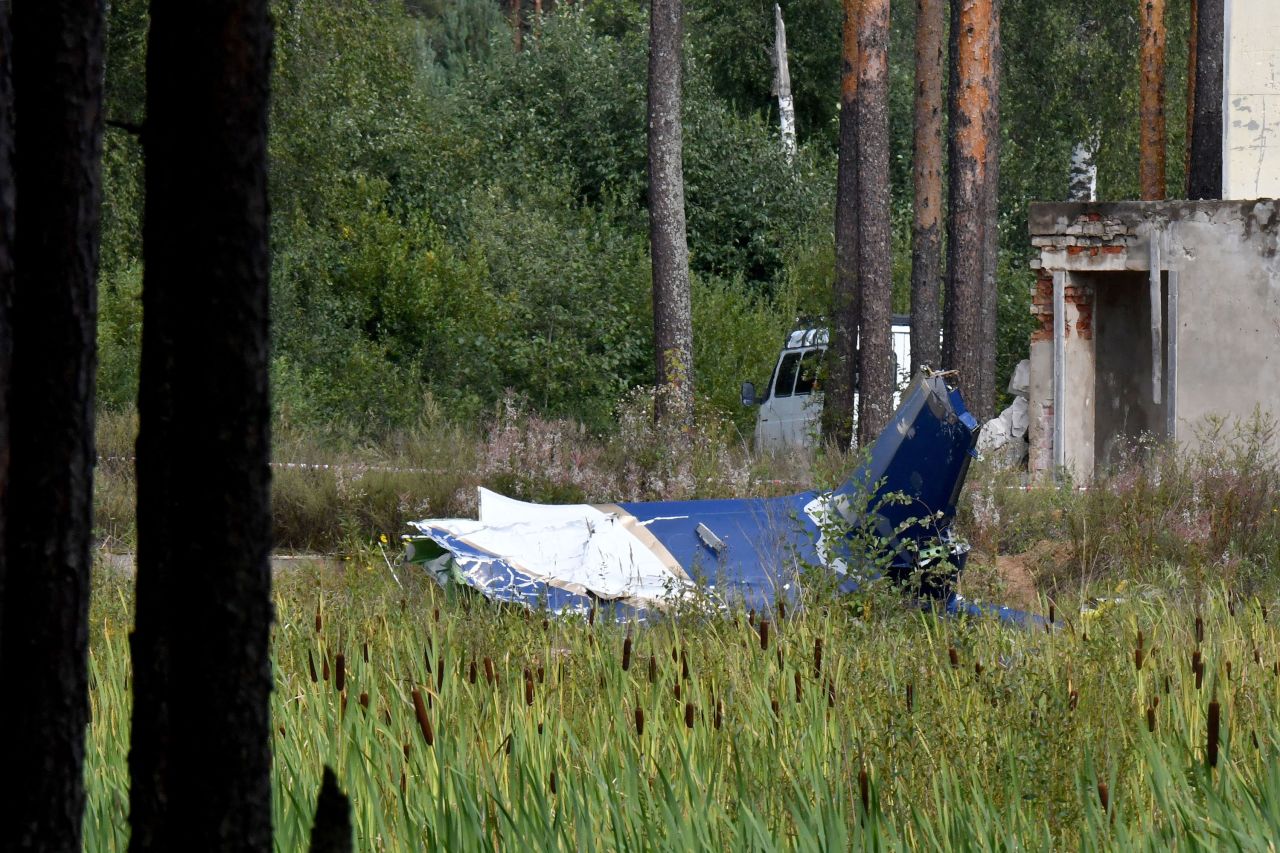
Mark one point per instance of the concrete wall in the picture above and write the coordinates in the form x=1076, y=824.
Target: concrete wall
x=1220, y=328
x=1251, y=100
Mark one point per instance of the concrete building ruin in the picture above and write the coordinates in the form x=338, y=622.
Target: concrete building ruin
x=1153, y=316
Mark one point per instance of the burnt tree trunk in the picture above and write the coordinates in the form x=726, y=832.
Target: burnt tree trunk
x=200, y=758
x=842, y=360
x=57, y=190
x=668, y=246
x=1151, y=116
x=6, y=291
x=926, y=228
x=875, y=252
x=1204, y=162
x=971, y=107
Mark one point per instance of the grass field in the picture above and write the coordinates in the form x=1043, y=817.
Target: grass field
x=852, y=722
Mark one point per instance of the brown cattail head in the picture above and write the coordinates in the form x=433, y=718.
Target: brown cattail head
x=799, y=688
x=488, y=669
x=553, y=782
x=311, y=666
x=626, y=653
x=528, y=687
x=677, y=689
x=1228, y=666
x=1151, y=718
x=911, y=696
x=426, y=660
x=1199, y=630
x=1073, y=699
x=1257, y=656
x=324, y=667
x=764, y=635
x=591, y=616
x=751, y=617
x=471, y=672
x=1137, y=657
x=864, y=788
x=435, y=614
x=340, y=672
x=440, y=672
x=718, y=717
x=1104, y=796
x=1052, y=614
x=1215, y=721
x=1141, y=639
x=424, y=722
x=364, y=700
x=319, y=621
x=639, y=721
x=773, y=703
x=1197, y=664
x=342, y=706
x=653, y=668
x=817, y=657
x=955, y=657
x=366, y=651
x=977, y=667
x=688, y=715
x=542, y=674
x=684, y=663
x=408, y=748
x=782, y=610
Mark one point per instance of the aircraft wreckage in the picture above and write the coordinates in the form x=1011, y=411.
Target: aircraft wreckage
x=892, y=517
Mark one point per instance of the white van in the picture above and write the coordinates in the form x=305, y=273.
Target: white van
x=791, y=406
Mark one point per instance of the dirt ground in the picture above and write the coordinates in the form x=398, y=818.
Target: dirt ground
x=1010, y=579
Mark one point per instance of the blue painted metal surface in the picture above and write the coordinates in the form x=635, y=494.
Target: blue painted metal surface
x=751, y=552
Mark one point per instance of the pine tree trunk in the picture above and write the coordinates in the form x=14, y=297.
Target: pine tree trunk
x=200, y=758
x=1204, y=164
x=1151, y=118
x=985, y=393
x=57, y=150
x=875, y=251
x=669, y=249
x=971, y=109
x=926, y=230
x=842, y=357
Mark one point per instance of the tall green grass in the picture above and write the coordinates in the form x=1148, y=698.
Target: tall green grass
x=909, y=732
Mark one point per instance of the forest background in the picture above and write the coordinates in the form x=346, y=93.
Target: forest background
x=456, y=214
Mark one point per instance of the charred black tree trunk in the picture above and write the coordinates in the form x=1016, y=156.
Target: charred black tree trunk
x=971, y=117
x=668, y=244
x=200, y=758
x=1151, y=120
x=1204, y=162
x=57, y=118
x=926, y=229
x=842, y=360
x=875, y=350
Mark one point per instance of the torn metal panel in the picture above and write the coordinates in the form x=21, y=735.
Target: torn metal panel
x=654, y=555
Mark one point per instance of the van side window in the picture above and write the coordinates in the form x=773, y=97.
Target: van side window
x=808, y=372
x=786, y=375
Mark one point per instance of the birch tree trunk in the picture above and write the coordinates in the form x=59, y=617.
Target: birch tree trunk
x=668, y=246
x=56, y=134
x=926, y=229
x=1151, y=119
x=782, y=86
x=842, y=355
x=1204, y=161
x=971, y=107
x=200, y=757
x=875, y=350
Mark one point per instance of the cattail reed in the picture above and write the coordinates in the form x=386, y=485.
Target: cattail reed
x=340, y=672
x=426, y=660
x=764, y=635
x=831, y=693
x=1073, y=699
x=1199, y=630
x=1052, y=614
x=718, y=717
x=677, y=689
x=653, y=668
x=319, y=621
x=782, y=609
x=1228, y=665
x=542, y=674
x=366, y=651
x=911, y=696
x=488, y=670
x=408, y=748
x=1104, y=796
x=435, y=614
x=684, y=664
x=1137, y=656
x=311, y=666
x=440, y=672
x=1197, y=664
x=639, y=722
x=324, y=667
x=364, y=701
x=773, y=703
x=424, y=722
x=1151, y=718
x=342, y=706
x=553, y=782
x=1253, y=735
x=688, y=715
x=864, y=789
x=591, y=616
x=1215, y=721
x=954, y=656
x=751, y=617
x=471, y=672
x=977, y=668
x=1257, y=656
x=626, y=653
x=817, y=658
x=799, y=688
x=528, y=687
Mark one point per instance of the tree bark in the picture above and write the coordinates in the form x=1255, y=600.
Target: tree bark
x=842, y=357
x=57, y=151
x=200, y=757
x=971, y=109
x=1151, y=140
x=6, y=290
x=926, y=229
x=875, y=251
x=668, y=243
x=1204, y=164
x=782, y=86
x=331, y=832
x=985, y=393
